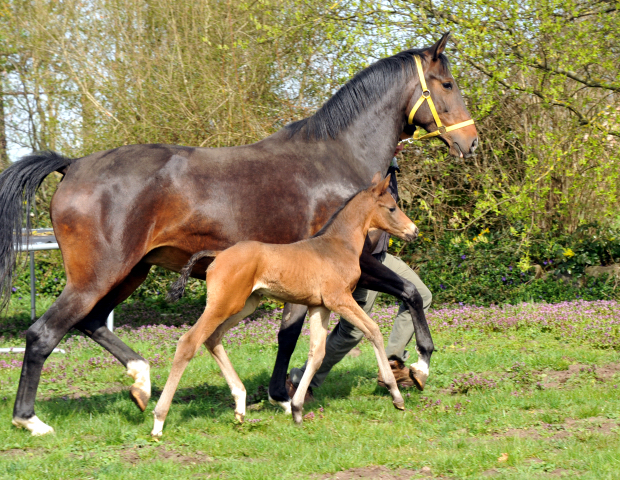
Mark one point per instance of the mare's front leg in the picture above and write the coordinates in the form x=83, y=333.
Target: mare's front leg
x=319, y=320
x=292, y=322
x=353, y=313
x=376, y=276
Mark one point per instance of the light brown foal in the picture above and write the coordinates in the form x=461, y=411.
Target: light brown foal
x=320, y=272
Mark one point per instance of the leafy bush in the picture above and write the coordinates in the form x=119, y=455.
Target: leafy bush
x=496, y=267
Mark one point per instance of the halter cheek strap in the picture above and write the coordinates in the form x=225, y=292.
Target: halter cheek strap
x=426, y=95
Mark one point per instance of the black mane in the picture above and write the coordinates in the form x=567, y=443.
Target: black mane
x=357, y=95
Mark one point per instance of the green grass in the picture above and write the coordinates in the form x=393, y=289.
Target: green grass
x=515, y=407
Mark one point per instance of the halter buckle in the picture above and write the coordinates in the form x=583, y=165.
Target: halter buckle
x=442, y=130
x=426, y=93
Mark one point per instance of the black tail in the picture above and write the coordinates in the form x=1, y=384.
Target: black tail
x=18, y=185
x=177, y=289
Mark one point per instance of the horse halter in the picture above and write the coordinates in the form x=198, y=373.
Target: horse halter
x=426, y=95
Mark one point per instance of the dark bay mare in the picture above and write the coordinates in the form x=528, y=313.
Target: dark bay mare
x=119, y=212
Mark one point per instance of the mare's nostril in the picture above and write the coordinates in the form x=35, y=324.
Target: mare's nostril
x=474, y=145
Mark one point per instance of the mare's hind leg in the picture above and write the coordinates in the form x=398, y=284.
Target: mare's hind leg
x=214, y=344
x=94, y=325
x=292, y=321
x=41, y=338
x=354, y=314
x=319, y=320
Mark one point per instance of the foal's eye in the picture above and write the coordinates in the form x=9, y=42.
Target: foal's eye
x=392, y=209
x=447, y=85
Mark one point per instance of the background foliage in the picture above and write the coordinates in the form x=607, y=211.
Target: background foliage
x=540, y=77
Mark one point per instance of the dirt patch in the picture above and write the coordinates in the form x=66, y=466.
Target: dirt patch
x=136, y=454
x=77, y=392
x=16, y=453
x=570, y=427
x=556, y=379
x=380, y=473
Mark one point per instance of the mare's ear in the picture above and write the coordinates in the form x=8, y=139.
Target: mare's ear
x=376, y=178
x=440, y=46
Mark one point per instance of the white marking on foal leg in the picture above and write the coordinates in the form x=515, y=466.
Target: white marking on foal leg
x=140, y=391
x=34, y=425
x=158, y=427
x=239, y=396
x=286, y=406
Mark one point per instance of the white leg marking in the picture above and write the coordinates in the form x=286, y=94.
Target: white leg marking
x=421, y=366
x=286, y=406
x=140, y=371
x=158, y=427
x=239, y=396
x=34, y=425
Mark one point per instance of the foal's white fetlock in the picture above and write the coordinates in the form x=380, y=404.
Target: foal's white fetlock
x=34, y=425
x=158, y=427
x=140, y=391
x=239, y=396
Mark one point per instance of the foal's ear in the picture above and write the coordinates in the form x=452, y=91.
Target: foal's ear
x=440, y=46
x=376, y=178
x=382, y=186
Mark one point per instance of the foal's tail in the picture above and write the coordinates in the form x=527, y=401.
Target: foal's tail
x=18, y=185
x=177, y=289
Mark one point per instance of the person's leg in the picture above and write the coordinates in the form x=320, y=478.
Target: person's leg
x=402, y=332
x=340, y=341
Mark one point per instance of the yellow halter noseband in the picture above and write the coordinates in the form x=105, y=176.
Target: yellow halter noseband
x=426, y=95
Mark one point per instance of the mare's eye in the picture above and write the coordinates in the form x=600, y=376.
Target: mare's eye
x=447, y=85
x=392, y=209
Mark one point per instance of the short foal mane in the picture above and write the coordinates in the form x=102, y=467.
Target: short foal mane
x=357, y=95
x=336, y=213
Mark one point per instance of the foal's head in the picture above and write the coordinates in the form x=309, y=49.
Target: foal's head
x=386, y=215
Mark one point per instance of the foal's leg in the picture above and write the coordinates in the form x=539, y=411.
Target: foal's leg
x=214, y=344
x=319, y=320
x=354, y=314
x=214, y=315
x=292, y=321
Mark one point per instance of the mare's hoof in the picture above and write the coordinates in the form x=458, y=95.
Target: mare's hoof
x=286, y=406
x=418, y=377
x=400, y=405
x=35, y=426
x=139, y=397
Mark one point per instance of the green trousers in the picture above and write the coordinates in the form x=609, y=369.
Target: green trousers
x=345, y=336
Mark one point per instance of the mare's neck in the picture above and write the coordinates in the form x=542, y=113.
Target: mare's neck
x=351, y=225
x=372, y=137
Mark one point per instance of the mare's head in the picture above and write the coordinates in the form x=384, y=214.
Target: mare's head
x=447, y=98
x=386, y=215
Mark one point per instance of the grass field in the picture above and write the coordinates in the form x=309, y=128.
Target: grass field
x=528, y=391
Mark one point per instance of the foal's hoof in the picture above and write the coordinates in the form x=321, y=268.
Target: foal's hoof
x=139, y=397
x=297, y=415
x=400, y=405
x=239, y=417
x=418, y=377
x=35, y=426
